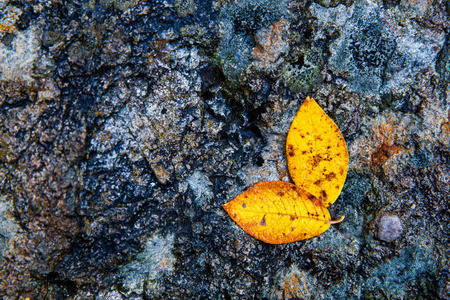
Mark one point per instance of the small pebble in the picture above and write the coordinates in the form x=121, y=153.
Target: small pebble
x=389, y=227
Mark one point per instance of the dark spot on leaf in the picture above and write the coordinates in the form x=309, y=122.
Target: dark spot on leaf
x=330, y=176
x=291, y=153
x=316, y=160
x=304, y=152
x=324, y=194
x=280, y=194
x=234, y=215
x=243, y=205
x=263, y=221
x=317, y=182
x=292, y=228
x=293, y=218
x=314, y=200
x=290, y=147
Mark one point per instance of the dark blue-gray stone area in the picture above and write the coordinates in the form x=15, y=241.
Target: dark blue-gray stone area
x=379, y=51
x=125, y=125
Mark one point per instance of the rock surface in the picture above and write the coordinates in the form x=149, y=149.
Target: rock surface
x=126, y=125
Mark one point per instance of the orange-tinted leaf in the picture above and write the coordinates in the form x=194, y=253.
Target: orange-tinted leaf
x=316, y=153
x=279, y=212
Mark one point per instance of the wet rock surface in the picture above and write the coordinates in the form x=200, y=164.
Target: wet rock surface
x=125, y=125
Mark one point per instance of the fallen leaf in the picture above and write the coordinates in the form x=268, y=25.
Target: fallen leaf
x=316, y=153
x=278, y=212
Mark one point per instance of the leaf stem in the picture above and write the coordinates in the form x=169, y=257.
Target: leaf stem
x=336, y=221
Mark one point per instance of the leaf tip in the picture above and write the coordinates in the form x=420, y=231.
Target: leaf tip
x=309, y=100
x=226, y=206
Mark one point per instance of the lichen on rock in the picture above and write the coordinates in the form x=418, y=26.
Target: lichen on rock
x=201, y=187
x=378, y=52
x=185, y=7
x=9, y=228
x=18, y=60
x=270, y=44
x=126, y=125
x=251, y=30
x=143, y=275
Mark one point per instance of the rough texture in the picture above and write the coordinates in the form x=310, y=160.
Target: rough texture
x=389, y=227
x=125, y=125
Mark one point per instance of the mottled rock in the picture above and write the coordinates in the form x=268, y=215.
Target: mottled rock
x=245, y=24
x=201, y=187
x=9, y=228
x=294, y=283
x=126, y=125
x=17, y=60
x=185, y=7
x=270, y=44
x=143, y=275
x=302, y=77
x=444, y=284
x=376, y=50
x=118, y=4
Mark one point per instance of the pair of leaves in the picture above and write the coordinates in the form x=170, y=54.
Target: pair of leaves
x=278, y=212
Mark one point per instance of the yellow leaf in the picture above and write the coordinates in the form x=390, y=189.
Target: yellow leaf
x=279, y=212
x=316, y=153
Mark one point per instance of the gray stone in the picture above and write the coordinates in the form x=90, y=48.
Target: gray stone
x=143, y=274
x=201, y=187
x=126, y=125
x=378, y=54
x=389, y=227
